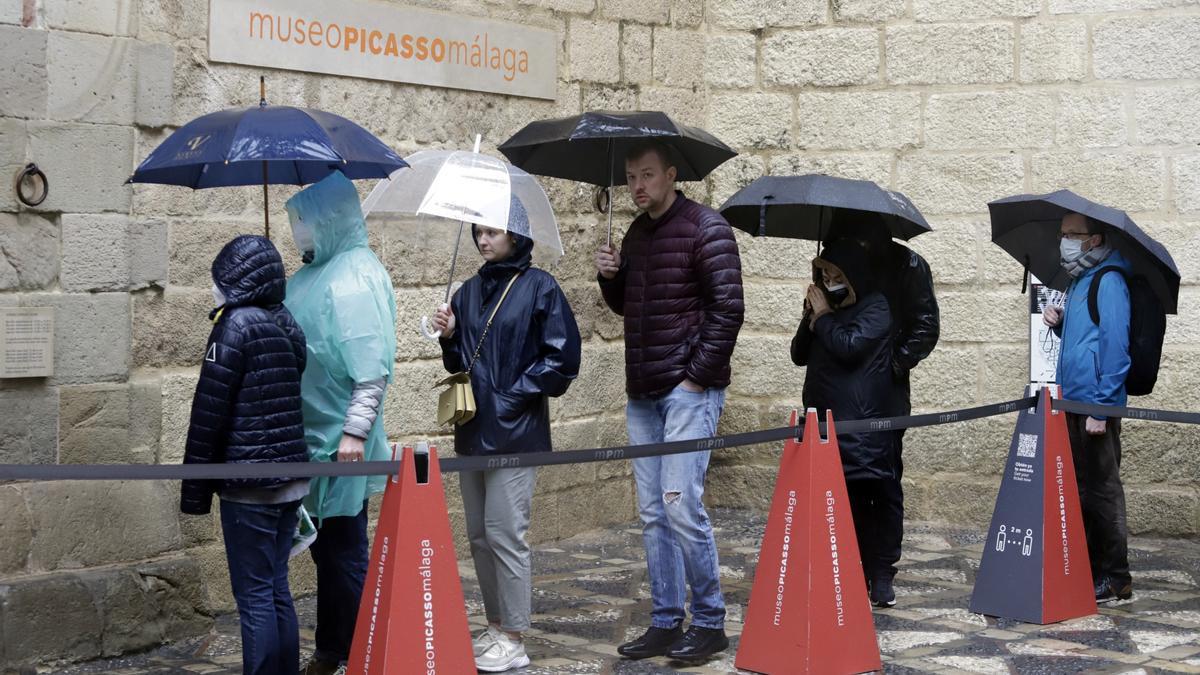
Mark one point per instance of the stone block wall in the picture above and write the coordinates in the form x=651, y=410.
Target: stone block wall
x=954, y=102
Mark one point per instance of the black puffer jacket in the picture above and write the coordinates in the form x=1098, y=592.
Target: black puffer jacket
x=531, y=353
x=247, y=403
x=680, y=291
x=848, y=359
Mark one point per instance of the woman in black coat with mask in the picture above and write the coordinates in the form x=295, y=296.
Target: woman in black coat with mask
x=529, y=353
x=845, y=341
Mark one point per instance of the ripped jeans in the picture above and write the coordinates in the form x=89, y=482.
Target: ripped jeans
x=676, y=532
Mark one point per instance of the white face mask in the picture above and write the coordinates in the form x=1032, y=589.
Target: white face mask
x=302, y=234
x=218, y=296
x=834, y=288
x=1070, y=250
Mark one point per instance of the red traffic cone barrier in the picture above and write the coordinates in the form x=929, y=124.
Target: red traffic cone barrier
x=808, y=610
x=1035, y=565
x=411, y=618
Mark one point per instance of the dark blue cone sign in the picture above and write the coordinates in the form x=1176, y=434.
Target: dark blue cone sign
x=1035, y=562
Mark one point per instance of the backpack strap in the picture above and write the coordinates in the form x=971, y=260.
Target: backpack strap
x=1094, y=291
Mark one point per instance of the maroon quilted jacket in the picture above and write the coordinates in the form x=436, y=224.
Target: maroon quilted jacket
x=680, y=291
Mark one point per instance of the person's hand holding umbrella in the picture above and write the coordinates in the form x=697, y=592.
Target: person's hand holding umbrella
x=1052, y=316
x=608, y=261
x=443, y=322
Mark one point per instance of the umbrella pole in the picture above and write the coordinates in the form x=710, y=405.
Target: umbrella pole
x=608, y=206
x=454, y=259
x=262, y=102
x=266, y=204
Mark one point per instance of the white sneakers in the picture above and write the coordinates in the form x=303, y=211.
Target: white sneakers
x=484, y=640
x=495, y=652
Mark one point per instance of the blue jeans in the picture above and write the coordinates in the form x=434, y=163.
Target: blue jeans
x=258, y=539
x=340, y=553
x=675, y=529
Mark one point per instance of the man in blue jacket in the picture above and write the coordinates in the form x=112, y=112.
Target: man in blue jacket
x=1092, y=365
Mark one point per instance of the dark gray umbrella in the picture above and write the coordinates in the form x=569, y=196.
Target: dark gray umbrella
x=1027, y=226
x=811, y=206
x=590, y=148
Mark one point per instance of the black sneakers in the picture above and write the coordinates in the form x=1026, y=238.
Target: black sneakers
x=882, y=594
x=698, y=644
x=1107, y=590
x=654, y=642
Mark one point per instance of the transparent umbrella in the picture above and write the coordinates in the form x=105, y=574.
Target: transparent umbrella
x=455, y=186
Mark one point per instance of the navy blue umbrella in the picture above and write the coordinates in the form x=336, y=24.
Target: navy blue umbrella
x=812, y=206
x=266, y=144
x=1027, y=226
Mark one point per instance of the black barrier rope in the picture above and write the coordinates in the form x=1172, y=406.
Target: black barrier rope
x=1147, y=414
x=45, y=472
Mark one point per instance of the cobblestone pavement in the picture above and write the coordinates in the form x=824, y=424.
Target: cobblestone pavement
x=590, y=594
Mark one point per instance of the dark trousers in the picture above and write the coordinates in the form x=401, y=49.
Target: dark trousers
x=878, y=509
x=340, y=553
x=1101, y=497
x=258, y=539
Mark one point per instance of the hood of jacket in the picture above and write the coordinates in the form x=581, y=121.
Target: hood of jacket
x=854, y=263
x=331, y=212
x=249, y=271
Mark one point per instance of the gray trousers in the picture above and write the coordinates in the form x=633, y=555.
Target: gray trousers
x=496, y=504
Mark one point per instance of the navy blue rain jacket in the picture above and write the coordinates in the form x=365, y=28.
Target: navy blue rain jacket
x=247, y=403
x=531, y=353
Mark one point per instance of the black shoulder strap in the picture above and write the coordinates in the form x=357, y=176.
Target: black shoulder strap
x=1094, y=291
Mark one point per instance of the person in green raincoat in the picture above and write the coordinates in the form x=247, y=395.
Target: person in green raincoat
x=343, y=300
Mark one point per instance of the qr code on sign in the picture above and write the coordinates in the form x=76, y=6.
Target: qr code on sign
x=1027, y=445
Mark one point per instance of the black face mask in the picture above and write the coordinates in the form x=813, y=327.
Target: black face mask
x=837, y=296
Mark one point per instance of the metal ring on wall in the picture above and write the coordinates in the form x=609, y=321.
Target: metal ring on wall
x=30, y=173
x=602, y=199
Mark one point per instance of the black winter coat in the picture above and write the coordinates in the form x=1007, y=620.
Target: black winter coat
x=531, y=353
x=907, y=283
x=247, y=403
x=680, y=291
x=848, y=358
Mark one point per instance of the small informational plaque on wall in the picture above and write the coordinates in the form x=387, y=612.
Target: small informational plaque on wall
x=26, y=342
x=383, y=41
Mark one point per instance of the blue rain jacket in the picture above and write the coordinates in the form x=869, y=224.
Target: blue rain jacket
x=1094, y=359
x=344, y=301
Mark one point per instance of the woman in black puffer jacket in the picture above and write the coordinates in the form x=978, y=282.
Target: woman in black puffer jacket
x=845, y=341
x=247, y=411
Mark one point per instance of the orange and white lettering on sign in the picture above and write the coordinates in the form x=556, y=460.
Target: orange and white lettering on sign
x=363, y=38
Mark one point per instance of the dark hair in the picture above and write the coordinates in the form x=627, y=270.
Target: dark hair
x=1096, y=227
x=642, y=148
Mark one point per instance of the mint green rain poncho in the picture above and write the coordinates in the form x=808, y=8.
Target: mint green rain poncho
x=343, y=300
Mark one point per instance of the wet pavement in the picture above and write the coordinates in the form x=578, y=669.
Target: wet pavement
x=591, y=593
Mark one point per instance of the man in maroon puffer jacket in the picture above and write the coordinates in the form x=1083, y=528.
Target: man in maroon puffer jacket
x=677, y=280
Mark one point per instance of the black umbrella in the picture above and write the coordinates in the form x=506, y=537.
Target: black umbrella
x=1027, y=226
x=810, y=206
x=590, y=148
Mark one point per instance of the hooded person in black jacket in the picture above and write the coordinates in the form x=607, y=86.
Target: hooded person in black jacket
x=246, y=410
x=906, y=281
x=845, y=341
x=529, y=352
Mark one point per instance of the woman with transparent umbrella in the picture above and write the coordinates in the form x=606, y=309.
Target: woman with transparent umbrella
x=511, y=329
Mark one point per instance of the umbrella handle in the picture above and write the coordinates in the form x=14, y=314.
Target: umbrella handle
x=426, y=330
